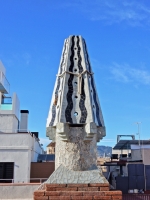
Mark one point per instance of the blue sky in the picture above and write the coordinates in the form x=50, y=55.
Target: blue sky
x=117, y=34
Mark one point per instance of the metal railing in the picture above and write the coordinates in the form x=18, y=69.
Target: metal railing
x=6, y=107
x=6, y=100
x=23, y=181
x=4, y=81
x=35, y=180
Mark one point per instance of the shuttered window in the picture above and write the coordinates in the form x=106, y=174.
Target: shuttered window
x=6, y=172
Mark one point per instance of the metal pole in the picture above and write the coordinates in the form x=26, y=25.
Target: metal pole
x=138, y=124
x=139, y=133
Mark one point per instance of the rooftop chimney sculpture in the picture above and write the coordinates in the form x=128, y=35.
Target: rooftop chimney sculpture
x=75, y=120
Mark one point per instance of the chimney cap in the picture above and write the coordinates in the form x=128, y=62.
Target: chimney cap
x=36, y=134
x=24, y=111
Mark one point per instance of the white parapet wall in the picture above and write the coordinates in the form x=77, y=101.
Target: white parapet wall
x=20, y=149
x=17, y=191
x=9, y=114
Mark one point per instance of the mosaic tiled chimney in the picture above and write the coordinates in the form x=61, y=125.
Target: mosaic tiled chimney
x=75, y=120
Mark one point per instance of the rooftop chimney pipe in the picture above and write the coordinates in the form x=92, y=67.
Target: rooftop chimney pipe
x=24, y=121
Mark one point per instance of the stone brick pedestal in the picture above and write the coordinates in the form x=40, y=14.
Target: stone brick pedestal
x=90, y=191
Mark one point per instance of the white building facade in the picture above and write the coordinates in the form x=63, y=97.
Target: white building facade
x=18, y=146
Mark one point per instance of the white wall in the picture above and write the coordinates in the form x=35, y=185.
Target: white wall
x=20, y=148
x=146, y=156
x=23, y=126
x=124, y=151
x=141, y=152
x=0, y=98
x=21, y=191
x=8, y=123
x=21, y=163
x=36, y=149
x=9, y=119
x=136, y=154
x=16, y=105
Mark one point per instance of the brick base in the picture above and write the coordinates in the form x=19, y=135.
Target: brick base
x=90, y=191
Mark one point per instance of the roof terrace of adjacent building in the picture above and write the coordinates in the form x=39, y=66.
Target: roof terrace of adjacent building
x=12, y=119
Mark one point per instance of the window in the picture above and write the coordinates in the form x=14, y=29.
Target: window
x=6, y=172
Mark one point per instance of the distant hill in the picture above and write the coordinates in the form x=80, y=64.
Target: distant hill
x=104, y=150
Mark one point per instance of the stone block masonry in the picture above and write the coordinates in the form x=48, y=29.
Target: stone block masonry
x=91, y=191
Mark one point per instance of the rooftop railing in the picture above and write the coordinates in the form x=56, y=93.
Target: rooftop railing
x=4, y=84
x=6, y=103
x=6, y=100
x=23, y=181
x=6, y=107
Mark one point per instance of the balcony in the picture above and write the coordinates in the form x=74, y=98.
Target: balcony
x=4, y=84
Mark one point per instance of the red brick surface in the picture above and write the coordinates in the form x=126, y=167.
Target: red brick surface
x=39, y=193
x=52, y=193
x=55, y=185
x=41, y=198
x=77, y=185
x=113, y=193
x=103, y=188
x=102, y=197
x=82, y=198
x=51, y=188
x=59, y=198
x=93, y=188
x=71, y=193
x=83, y=189
x=66, y=189
x=98, y=184
x=88, y=189
x=65, y=197
x=91, y=191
